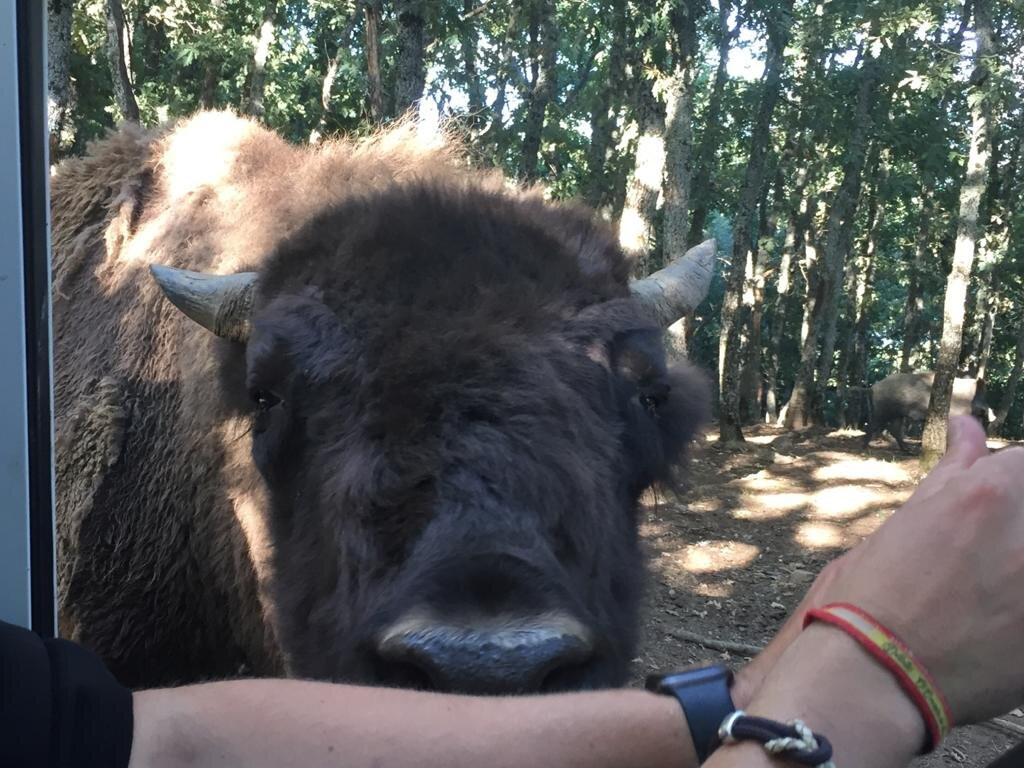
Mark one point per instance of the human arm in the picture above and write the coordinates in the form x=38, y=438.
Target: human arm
x=308, y=724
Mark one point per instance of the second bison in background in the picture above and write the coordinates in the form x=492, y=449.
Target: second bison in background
x=904, y=396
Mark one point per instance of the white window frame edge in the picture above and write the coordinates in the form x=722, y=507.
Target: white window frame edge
x=21, y=600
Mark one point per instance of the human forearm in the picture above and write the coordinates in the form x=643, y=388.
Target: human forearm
x=282, y=723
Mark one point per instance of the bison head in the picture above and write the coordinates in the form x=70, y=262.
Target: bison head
x=456, y=401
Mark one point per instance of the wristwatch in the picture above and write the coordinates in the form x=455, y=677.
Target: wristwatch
x=703, y=693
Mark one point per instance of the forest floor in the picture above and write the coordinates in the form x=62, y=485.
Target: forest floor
x=731, y=558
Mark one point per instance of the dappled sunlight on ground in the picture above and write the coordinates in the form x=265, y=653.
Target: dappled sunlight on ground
x=819, y=535
x=770, y=506
x=868, y=470
x=847, y=501
x=705, y=556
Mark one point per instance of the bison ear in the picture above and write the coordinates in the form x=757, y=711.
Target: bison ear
x=221, y=304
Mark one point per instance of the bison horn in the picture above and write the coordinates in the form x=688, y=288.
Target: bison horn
x=219, y=303
x=678, y=288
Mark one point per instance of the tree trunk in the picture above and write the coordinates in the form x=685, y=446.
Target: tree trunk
x=915, y=303
x=504, y=69
x=708, y=149
x=985, y=348
x=751, y=382
x=258, y=63
x=544, y=86
x=208, y=90
x=410, y=67
x=782, y=291
x=792, y=246
x=850, y=373
x=799, y=400
x=58, y=70
x=372, y=13
x=981, y=319
x=811, y=382
x=636, y=226
x=469, y=41
x=334, y=48
x=679, y=135
x=1012, y=383
x=603, y=117
x=933, y=440
x=119, y=53
x=211, y=70
x=733, y=317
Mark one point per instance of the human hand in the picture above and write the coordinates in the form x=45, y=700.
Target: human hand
x=945, y=573
x=940, y=574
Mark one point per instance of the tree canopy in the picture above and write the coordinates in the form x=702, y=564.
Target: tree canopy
x=831, y=148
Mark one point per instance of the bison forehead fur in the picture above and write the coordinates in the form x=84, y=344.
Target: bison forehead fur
x=448, y=403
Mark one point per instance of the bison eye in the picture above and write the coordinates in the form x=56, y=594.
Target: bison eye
x=653, y=396
x=264, y=399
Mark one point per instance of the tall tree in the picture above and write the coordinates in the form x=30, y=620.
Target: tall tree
x=806, y=402
x=410, y=67
x=469, y=40
x=258, y=63
x=778, y=22
x=119, y=54
x=1012, y=382
x=914, y=305
x=212, y=67
x=933, y=441
x=679, y=130
x=851, y=372
x=603, y=116
x=643, y=187
x=544, y=39
x=783, y=288
x=372, y=46
x=58, y=70
x=334, y=46
x=708, y=148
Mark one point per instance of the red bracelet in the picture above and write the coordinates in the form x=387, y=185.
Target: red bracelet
x=894, y=655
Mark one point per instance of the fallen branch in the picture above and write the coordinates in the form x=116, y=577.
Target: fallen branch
x=745, y=649
x=1004, y=725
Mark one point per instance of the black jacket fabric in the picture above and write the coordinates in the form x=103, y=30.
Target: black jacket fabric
x=59, y=706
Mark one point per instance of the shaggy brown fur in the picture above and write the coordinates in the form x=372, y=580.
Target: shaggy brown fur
x=508, y=368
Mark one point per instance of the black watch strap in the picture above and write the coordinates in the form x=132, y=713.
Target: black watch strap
x=703, y=693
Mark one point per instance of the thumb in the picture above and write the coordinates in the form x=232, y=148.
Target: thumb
x=965, y=444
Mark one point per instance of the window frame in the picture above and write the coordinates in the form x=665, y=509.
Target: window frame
x=27, y=531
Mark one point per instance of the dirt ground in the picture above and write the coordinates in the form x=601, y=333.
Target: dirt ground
x=733, y=556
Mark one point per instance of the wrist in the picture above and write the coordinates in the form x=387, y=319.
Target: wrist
x=827, y=680
x=745, y=683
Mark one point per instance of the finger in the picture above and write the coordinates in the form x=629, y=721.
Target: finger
x=965, y=444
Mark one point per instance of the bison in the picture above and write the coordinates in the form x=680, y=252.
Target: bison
x=391, y=426
x=903, y=396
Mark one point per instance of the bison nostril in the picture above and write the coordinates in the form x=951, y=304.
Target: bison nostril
x=488, y=661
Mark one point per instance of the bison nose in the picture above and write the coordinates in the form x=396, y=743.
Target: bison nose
x=500, y=659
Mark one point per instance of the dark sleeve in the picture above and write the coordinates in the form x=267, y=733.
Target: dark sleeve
x=59, y=706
